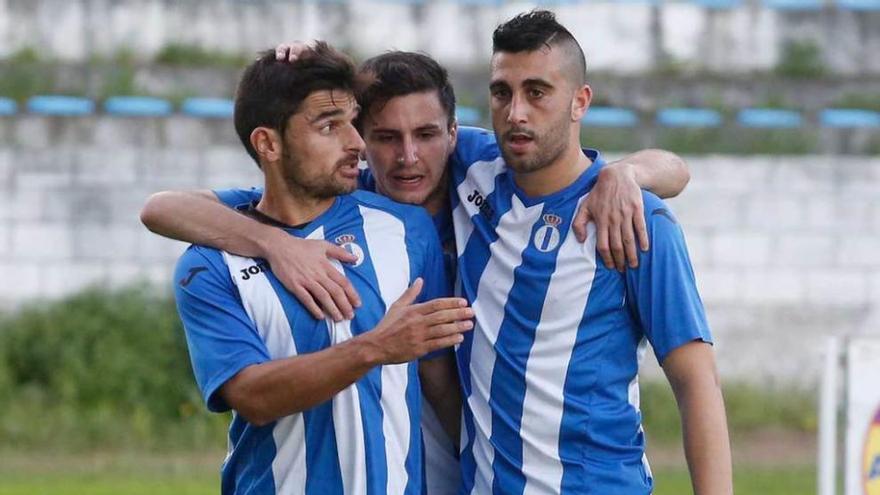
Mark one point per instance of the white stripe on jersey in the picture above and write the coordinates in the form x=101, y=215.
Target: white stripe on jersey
x=347, y=420
x=391, y=259
x=492, y=293
x=634, y=397
x=264, y=308
x=480, y=176
x=548, y=361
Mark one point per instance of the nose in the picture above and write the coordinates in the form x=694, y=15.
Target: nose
x=356, y=143
x=409, y=152
x=518, y=113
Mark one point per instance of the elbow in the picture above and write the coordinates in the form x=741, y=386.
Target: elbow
x=152, y=210
x=684, y=175
x=247, y=402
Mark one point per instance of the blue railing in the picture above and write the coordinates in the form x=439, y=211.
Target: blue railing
x=596, y=116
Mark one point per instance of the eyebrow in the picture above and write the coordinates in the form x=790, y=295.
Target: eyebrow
x=333, y=113
x=426, y=127
x=537, y=82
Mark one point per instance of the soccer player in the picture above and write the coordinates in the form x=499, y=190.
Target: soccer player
x=410, y=132
x=319, y=406
x=549, y=374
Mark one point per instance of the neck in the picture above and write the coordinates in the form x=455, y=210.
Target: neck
x=439, y=198
x=290, y=204
x=557, y=176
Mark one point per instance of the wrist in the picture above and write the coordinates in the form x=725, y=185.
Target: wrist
x=366, y=352
x=266, y=237
x=623, y=168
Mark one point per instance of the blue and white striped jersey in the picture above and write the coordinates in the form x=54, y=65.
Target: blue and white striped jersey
x=549, y=373
x=366, y=440
x=441, y=473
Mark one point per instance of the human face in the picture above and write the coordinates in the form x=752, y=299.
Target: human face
x=409, y=140
x=531, y=103
x=321, y=146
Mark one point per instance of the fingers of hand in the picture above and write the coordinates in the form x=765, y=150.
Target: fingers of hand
x=338, y=294
x=441, y=304
x=603, y=247
x=281, y=51
x=339, y=253
x=449, y=316
x=447, y=329
x=350, y=292
x=641, y=230
x=410, y=294
x=442, y=343
x=579, y=224
x=616, y=245
x=306, y=300
x=325, y=300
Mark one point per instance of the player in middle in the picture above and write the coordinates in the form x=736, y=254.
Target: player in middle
x=408, y=124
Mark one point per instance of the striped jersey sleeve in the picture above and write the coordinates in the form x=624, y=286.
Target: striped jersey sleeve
x=222, y=339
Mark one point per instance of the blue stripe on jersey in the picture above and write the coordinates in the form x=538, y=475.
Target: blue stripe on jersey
x=324, y=474
x=364, y=278
x=515, y=338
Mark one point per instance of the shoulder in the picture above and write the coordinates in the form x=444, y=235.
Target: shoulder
x=199, y=262
x=237, y=197
x=475, y=144
x=657, y=213
x=404, y=212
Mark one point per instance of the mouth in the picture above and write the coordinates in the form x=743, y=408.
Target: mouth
x=349, y=168
x=519, y=142
x=408, y=181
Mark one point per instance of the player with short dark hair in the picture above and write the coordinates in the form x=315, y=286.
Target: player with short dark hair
x=550, y=372
x=319, y=407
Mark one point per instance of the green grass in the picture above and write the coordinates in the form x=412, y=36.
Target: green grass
x=746, y=481
x=135, y=474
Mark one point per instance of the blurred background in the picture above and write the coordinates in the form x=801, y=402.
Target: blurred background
x=775, y=104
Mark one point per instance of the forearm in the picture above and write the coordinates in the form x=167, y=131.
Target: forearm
x=440, y=386
x=661, y=172
x=266, y=392
x=198, y=218
x=706, y=441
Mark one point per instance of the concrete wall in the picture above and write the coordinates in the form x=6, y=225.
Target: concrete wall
x=621, y=36
x=785, y=249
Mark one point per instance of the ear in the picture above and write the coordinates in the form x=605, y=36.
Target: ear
x=453, y=134
x=581, y=102
x=268, y=144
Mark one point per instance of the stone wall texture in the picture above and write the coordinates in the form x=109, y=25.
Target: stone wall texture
x=622, y=36
x=785, y=249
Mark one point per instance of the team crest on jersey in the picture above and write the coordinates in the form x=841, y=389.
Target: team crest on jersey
x=547, y=236
x=871, y=466
x=347, y=242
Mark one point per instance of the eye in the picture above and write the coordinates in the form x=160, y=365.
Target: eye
x=500, y=93
x=536, y=93
x=384, y=138
x=327, y=127
x=427, y=135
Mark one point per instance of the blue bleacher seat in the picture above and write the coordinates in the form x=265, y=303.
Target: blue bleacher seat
x=688, y=117
x=862, y=5
x=845, y=117
x=137, y=106
x=467, y=115
x=769, y=118
x=718, y=4
x=217, y=108
x=794, y=4
x=60, y=105
x=8, y=106
x=610, y=117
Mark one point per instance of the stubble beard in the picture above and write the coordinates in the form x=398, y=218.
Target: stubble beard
x=550, y=146
x=317, y=188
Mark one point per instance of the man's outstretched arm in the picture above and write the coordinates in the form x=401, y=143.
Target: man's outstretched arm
x=264, y=392
x=691, y=372
x=615, y=203
x=303, y=266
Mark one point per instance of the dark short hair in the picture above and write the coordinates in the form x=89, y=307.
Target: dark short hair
x=270, y=90
x=533, y=30
x=399, y=73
